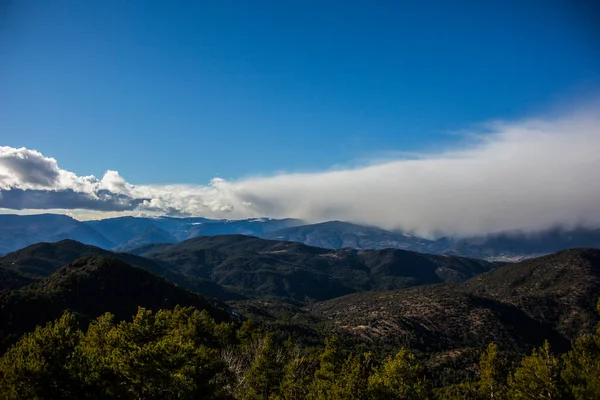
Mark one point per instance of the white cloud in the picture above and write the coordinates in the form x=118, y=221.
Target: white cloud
x=528, y=174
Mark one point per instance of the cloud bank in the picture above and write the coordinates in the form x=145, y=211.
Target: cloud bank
x=529, y=174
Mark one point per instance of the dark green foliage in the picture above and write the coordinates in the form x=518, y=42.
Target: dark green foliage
x=162, y=355
x=185, y=354
x=263, y=378
x=538, y=376
x=399, y=376
x=298, y=374
x=165, y=351
x=166, y=354
x=330, y=363
x=41, y=365
x=90, y=287
x=11, y=279
x=582, y=366
x=493, y=373
x=284, y=318
x=491, y=382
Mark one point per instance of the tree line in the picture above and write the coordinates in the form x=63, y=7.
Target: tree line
x=184, y=354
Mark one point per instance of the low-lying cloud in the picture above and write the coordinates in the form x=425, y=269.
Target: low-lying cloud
x=529, y=174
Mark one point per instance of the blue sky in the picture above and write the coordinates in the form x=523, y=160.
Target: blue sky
x=181, y=92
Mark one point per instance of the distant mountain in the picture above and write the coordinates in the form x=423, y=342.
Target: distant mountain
x=123, y=233
x=18, y=231
x=252, y=226
x=291, y=270
x=90, y=287
x=128, y=233
x=517, y=305
x=131, y=232
x=518, y=245
x=40, y=260
x=338, y=235
x=506, y=246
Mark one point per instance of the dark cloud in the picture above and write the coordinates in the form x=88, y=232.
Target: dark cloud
x=30, y=167
x=19, y=199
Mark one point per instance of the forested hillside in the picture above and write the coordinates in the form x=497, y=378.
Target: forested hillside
x=40, y=260
x=518, y=306
x=510, y=330
x=259, y=267
x=89, y=287
x=232, y=267
x=185, y=354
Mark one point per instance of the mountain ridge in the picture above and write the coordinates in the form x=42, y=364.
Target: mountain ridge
x=89, y=287
x=40, y=260
x=18, y=231
x=128, y=233
x=552, y=297
x=277, y=268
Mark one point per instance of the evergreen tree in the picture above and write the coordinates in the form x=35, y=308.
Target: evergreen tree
x=297, y=378
x=492, y=374
x=185, y=354
x=352, y=381
x=247, y=332
x=538, y=377
x=330, y=362
x=264, y=375
x=399, y=377
x=95, y=366
x=582, y=366
x=40, y=365
x=154, y=356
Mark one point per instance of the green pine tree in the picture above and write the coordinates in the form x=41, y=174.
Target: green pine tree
x=330, y=362
x=352, y=381
x=297, y=378
x=582, y=366
x=40, y=365
x=155, y=356
x=493, y=374
x=538, y=377
x=399, y=377
x=263, y=378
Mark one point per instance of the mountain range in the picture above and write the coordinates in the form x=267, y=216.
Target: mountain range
x=233, y=267
x=516, y=306
x=442, y=305
x=127, y=233
x=123, y=233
